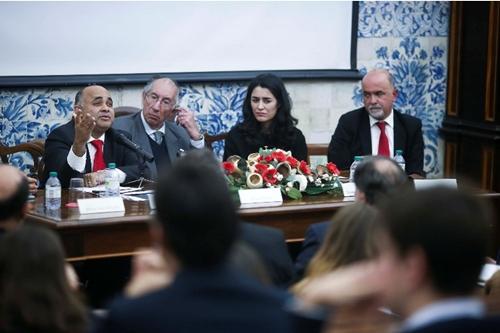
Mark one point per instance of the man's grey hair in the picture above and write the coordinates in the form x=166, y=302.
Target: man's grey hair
x=149, y=86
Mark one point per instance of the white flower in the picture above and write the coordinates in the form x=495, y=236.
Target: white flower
x=310, y=178
x=317, y=182
x=279, y=177
x=301, y=179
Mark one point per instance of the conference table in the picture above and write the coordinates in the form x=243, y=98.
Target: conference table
x=92, y=236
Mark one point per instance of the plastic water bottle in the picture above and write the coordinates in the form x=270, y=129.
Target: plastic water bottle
x=400, y=160
x=53, y=192
x=354, y=165
x=111, y=181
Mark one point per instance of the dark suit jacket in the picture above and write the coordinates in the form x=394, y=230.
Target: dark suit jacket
x=175, y=137
x=352, y=137
x=461, y=325
x=270, y=244
x=59, y=143
x=315, y=234
x=216, y=300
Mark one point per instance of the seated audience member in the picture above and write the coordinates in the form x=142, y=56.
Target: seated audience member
x=14, y=190
x=244, y=258
x=270, y=245
x=348, y=240
x=378, y=129
x=196, y=227
x=375, y=178
x=432, y=246
x=162, y=128
x=87, y=143
x=267, y=121
x=36, y=294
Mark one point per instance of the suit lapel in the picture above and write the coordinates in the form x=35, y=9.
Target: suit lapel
x=399, y=132
x=142, y=139
x=171, y=141
x=365, y=135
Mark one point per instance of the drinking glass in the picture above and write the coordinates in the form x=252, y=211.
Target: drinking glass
x=75, y=189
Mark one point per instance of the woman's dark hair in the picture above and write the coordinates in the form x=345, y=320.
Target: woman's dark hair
x=281, y=130
x=35, y=295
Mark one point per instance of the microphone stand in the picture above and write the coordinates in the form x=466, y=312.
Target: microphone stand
x=142, y=168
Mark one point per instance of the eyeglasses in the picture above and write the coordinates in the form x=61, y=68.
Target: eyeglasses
x=153, y=98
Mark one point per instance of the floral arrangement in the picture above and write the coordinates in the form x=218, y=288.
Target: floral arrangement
x=278, y=168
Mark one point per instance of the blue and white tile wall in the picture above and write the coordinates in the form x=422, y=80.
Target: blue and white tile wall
x=410, y=38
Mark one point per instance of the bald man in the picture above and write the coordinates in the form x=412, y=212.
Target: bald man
x=162, y=128
x=14, y=190
x=378, y=129
x=86, y=144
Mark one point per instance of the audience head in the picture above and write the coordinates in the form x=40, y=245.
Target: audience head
x=96, y=101
x=267, y=103
x=349, y=239
x=159, y=98
x=14, y=191
x=432, y=245
x=35, y=294
x=195, y=210
x=377, y=178
x=379, y=93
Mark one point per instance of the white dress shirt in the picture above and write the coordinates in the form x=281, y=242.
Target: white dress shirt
x=448, y=309
x=389, y=131
x=77, y=163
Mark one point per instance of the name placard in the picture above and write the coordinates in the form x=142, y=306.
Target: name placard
x=260, y=197
x=101, y=205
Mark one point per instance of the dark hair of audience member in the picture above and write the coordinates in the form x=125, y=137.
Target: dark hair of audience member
x=245, y=259
x=281, y=130
x=450, y=226
x=349, y=239
x=35, y=295
x=379, y=177
x=196, y=211
x=12, y=207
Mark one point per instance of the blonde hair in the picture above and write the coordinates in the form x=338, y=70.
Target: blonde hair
x=349, y=239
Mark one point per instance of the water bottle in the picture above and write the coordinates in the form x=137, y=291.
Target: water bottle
x=53, y=192
x=354, y=165
x=400, y=160
x=111, y=181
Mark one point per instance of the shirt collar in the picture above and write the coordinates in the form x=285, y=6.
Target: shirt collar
x=99, y=138
x=149, y=130
x=389, y=120
x=445, y=310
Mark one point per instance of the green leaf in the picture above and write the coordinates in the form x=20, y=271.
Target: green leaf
x=293, y=193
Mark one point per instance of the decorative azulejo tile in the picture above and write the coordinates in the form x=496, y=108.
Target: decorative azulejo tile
x=403, y=19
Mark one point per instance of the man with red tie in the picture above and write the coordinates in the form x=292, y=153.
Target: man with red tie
x=378, y=129
x=86, y=144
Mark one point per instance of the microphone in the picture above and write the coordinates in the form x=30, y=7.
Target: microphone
x=135, y=147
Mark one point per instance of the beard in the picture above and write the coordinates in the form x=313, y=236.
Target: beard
x=376, y=112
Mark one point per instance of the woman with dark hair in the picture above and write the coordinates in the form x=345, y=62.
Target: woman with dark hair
x=35, y=294
x=267, y=121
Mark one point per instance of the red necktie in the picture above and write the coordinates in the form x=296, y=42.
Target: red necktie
x=99, y=163
x=383, y=142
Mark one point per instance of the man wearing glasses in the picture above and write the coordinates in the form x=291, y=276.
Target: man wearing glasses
x=162, y=128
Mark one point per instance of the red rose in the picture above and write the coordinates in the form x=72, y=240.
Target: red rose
x=269, y=176
x=228, y=167
x=292, y=161
x=304, y=168
x=332, y=168
x=268, y=158
x=260, y=168
x=279, y=156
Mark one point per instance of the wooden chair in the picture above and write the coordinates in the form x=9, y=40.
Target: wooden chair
x=35, y=148
x=121, y=111
x=319, y=149
x=210, y=139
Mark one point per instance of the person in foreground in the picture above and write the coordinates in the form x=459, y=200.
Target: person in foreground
x=14, y=189
x=376, y=179
x=37, y=288
x=162, y=128
x=432, y=247
x=196, y=227
x=267, y=121
x=377, y=128
x=87, y=143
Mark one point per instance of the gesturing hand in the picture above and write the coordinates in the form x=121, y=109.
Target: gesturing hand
x=186, y=119
x=84, y=125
